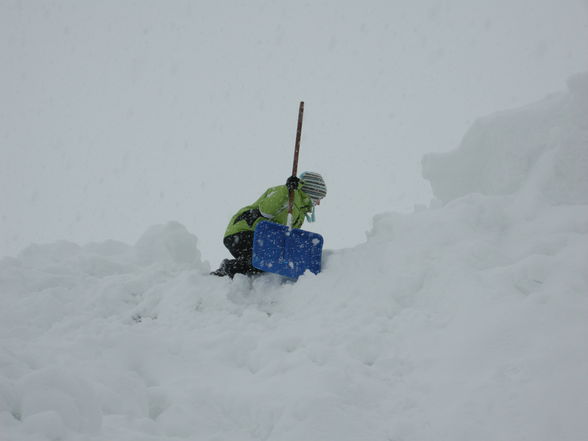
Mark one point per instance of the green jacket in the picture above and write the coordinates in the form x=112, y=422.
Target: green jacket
x=272, y=206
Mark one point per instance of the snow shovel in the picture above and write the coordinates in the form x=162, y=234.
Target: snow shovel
x=282, y=249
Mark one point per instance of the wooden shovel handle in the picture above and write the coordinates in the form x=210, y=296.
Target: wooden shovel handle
x=298, y=135
x=295, y=165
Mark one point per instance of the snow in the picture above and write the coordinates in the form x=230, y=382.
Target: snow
x=465, y=320
x=505, y=151
x=121, y=115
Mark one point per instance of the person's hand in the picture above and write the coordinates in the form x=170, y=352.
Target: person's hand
x=292, y=183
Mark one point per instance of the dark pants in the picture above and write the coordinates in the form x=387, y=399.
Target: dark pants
x=240, y=246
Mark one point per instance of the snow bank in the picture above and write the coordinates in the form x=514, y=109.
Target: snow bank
x=457, y=323
x=542, y=145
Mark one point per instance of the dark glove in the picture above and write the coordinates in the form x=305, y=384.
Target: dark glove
x=292, y=183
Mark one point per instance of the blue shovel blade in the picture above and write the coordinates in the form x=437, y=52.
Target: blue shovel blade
x=277, y=249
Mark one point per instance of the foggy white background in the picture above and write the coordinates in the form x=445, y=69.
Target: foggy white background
x=117, y=115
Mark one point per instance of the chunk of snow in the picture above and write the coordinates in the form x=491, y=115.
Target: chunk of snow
x=168, y=244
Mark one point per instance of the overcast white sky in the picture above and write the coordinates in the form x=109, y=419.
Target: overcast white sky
x=117, y=115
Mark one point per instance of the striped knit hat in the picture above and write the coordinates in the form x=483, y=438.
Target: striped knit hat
x=313, y=185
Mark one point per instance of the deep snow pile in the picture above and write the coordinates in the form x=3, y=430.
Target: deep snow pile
x=462, y=322
x=541, y=147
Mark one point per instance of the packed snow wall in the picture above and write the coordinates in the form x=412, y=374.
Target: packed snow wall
x=542, y=146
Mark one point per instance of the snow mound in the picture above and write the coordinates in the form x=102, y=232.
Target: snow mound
x=457, y=323
x=168, y=244
x=546, y=142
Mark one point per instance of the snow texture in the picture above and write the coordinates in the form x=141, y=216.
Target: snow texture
x=542, y=146
x=462, y=321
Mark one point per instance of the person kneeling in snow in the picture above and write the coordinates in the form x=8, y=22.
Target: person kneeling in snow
x=272, y=206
